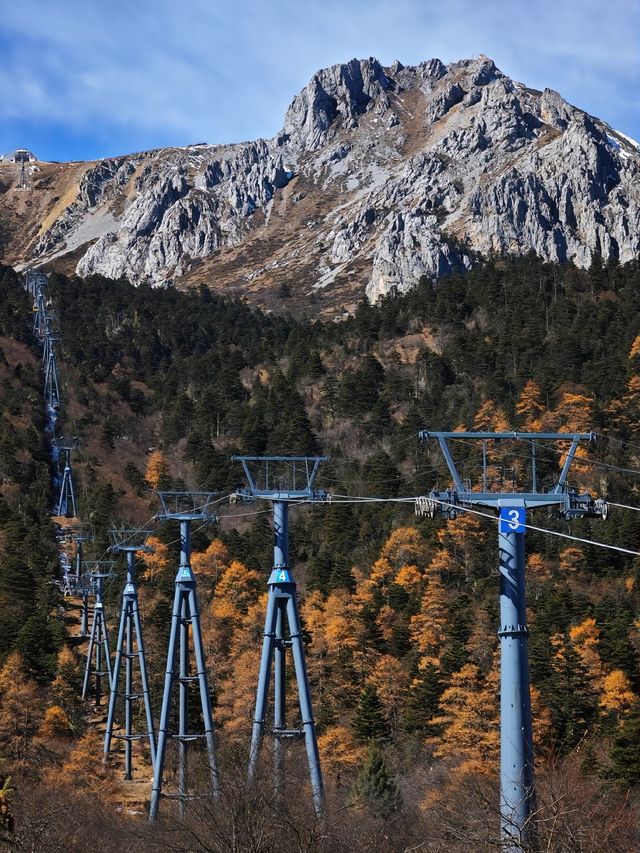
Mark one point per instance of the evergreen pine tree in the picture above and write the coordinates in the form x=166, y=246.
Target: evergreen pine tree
x=341, y=574
x=625, y=751
x=369, y=722
x=375, y=787
x=422, y=704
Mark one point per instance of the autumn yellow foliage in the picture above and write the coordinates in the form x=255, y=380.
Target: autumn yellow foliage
x=56, y=723
x=157, y=469
x=617, y=695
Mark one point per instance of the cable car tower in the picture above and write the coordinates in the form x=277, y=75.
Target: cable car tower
x=517, y=793
x=296, y=484
x=22, y=156
x=184, y=507
x=99, y=570
x=82, y=584
x=66, y=505
x=51, y=386
x=129, y=542
x=39, y=305
x=49, y=337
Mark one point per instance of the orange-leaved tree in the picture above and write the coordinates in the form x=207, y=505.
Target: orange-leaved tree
x=617, y=695
x=530, y=407
x=21, y=708
x=469, y=719
x=157, y=471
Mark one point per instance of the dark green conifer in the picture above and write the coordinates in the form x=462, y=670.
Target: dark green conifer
x=625, y=751
x=375, y=787
x=369, y=722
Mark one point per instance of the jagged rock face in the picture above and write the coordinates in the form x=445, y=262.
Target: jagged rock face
x=380, y=176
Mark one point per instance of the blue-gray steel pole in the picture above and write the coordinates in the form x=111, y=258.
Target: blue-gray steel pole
x=98, y=693
x=158, y=768
x=116, y=677
x=84, y=621
x=306, y=713
x=128, y=698
x=87, y=669
x=105, y=642
x=263, y=683
x=203, y=683
x=279, y=707
x=516, y=742
x=281, y=535
x=280, y=561
x=144, y=681
x=183, y=687
x=78, y=558
x=84, y=611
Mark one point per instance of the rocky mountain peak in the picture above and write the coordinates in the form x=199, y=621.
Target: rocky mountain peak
x=379, y=176
x=338, y=93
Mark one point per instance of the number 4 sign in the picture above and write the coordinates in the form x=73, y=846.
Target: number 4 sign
x=513, y=519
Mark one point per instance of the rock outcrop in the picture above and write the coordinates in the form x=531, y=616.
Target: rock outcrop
x=379, y=176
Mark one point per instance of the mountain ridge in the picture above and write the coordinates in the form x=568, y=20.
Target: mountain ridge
x=380, y=176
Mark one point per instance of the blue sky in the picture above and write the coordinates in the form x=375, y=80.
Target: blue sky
x=81, y=79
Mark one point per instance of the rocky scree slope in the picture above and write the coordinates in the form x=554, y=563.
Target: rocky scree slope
x=378, y=177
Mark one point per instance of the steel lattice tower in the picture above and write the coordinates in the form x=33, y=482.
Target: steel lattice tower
x=66, y=505
x=297, y=484
x=82, y=586
x=51, y=387
x=99, y=636
x=184, y=507
x=39, y=309
x=517, y=791
x=130, y=542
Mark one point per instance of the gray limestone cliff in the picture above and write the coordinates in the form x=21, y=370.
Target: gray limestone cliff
x=379, y=176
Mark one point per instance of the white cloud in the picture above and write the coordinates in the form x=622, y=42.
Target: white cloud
x=224, y=71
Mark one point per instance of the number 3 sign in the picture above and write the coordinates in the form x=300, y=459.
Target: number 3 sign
x=513, y=519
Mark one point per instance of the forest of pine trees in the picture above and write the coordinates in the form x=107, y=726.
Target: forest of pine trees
x=399, y=613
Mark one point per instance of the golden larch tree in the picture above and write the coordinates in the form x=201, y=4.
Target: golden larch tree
x=212, y=562
x=405, y=546
x=469, y=720
x=617, y=695
x=21, y=708
x=530, y=407
x=584, y=639
x=158, y=561
x=428, y=627
x=157, y=469
x=490, y=418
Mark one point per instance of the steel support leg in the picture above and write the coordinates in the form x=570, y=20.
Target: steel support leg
x=308, y=723
x=84, y=620
x=114, y=686
x=128, y=698
x=87, y=669
x=263, y=683
x=163, y=728
x=106, y=647
x=279, y=699
x=516, y=742
x=183, y=688
x=205, y=698
x=98, y=693
x=144, y=681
